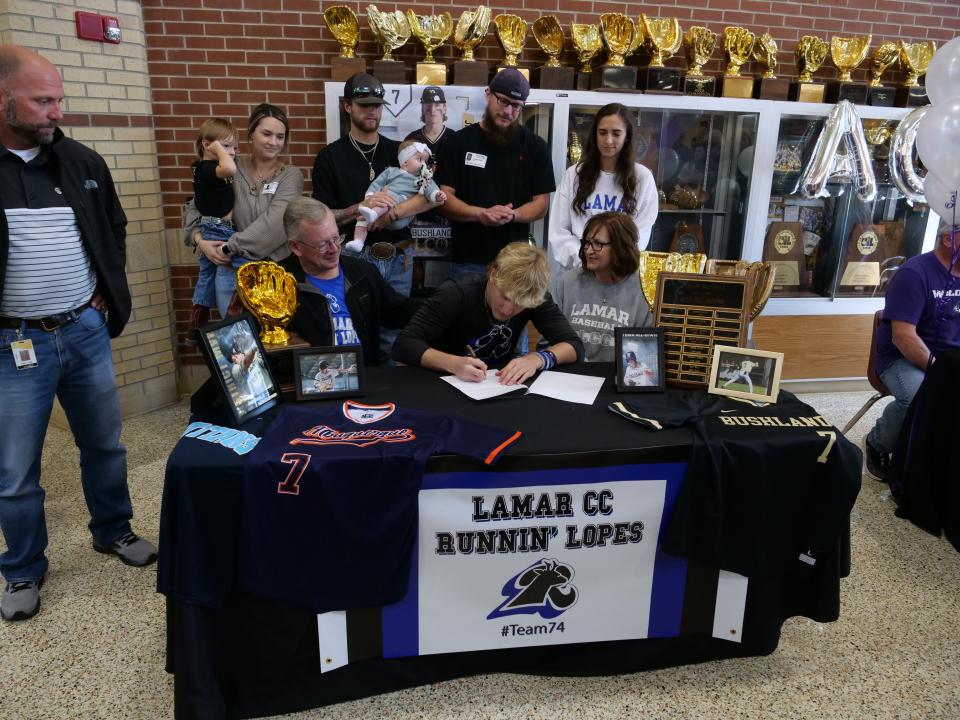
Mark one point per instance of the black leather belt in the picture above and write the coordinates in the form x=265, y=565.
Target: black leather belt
x=49, y=323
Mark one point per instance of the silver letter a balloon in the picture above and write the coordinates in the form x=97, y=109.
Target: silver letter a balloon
x=841, y=154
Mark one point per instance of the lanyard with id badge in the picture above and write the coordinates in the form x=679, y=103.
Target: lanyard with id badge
x=24, y=356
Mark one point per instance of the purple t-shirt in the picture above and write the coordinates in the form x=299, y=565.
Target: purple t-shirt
x=924, y=294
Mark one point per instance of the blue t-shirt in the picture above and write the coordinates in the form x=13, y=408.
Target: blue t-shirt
x=924, y=294
x=343, y=332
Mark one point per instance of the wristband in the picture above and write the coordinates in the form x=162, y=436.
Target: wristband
x=514, y=218
x=930, y=361
x=548, y=358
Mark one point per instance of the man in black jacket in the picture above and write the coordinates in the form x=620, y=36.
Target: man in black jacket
x=343, y=300
x=63, y=294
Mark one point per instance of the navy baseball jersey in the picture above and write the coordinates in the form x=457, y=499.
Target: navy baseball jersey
x=330, y=499
x=778, y=472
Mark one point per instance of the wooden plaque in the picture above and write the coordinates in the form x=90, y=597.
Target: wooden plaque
x=866, y=250
x=783, y=249
x=696, y=312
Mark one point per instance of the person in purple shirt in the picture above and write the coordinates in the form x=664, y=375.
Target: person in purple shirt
x=921, y=318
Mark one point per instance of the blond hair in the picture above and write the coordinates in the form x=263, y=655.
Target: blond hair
x=214, y=129
x=522, y=273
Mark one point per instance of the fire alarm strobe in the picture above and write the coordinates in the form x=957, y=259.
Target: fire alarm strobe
x=111, y=29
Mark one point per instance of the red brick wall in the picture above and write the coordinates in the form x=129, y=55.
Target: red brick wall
x=207, y=58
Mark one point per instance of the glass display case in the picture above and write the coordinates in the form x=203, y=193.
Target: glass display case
x=837, y=246
x=727, y=170
x=701, y=161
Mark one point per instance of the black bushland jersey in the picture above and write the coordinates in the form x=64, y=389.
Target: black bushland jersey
x=767, y=486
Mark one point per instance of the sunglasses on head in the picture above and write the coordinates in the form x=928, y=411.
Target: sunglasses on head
x=364, y=92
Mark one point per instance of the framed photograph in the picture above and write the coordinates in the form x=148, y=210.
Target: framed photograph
x=639, y=352
x=746, y=373
x=238, y=363
x=328, y=372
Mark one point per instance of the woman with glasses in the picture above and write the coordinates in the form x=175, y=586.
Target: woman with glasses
x=607, y=178
x=262, y=186
x=604, y=293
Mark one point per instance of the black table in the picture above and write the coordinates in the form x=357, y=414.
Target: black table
x=239, y=655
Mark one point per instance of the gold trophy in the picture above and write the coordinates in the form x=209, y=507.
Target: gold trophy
x=769, y=86
x=662, y=38
x=431, y=31
x=270, y=293
x=698, y=45
x=392, y=32
x=618, y=34
x=511, y=31
x=574, y=149
x=847, y=53
x=343, y=25
x=810, y=52
x=737, y=46
x=587, y=42
x=884, y=56
x=470, y=31
x=915, y=58
x=549, y=36
x=653, y=263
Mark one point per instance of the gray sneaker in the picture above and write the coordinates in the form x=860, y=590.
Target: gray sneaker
x=131, y=549
x=21, y=599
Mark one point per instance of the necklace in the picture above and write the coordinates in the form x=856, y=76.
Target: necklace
x=260, y=180
x=372, y=151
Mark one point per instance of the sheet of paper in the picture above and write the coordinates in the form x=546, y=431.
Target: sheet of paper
x=488, y=388
x=567, y=386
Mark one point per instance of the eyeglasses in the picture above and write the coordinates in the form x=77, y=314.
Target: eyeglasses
x=591, y=244
x=329, y=242
x=504, y=103
x=358, y=93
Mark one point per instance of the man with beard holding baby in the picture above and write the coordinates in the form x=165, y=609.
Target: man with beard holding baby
x=497, y=176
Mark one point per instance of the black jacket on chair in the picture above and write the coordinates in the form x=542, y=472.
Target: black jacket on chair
x=924, y=480
x=370, y=300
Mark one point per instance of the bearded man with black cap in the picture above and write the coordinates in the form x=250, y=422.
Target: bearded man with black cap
x=342, y=173
x=497, y=176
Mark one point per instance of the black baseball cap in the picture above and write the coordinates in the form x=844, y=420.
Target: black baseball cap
x=432, y=94
x=512, y=83
x=364, y=89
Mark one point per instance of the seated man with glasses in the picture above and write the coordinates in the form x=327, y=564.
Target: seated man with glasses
x=604, y=293
x=343, y=300
x=497, y=176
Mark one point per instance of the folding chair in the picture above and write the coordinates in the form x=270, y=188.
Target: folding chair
x=874, y=379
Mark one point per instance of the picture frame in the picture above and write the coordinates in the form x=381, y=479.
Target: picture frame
x=639, y=353
x=238, y=363
x=334, y=371
x=733, y=375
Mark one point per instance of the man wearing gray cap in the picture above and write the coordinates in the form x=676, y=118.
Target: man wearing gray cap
x=921, y=318
x=497, y=176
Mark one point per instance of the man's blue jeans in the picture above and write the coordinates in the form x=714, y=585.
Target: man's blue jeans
x=398, y=272
x=74, y=364
x=902, y=379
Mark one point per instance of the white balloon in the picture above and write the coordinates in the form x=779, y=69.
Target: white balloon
x=938, y=137
x=942, y=197
x=943, y=74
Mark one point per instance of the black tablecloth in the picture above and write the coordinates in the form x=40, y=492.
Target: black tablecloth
x=236, y=655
